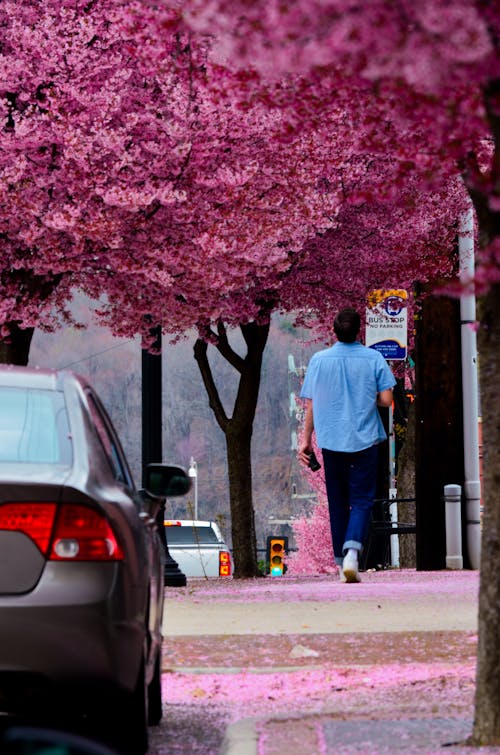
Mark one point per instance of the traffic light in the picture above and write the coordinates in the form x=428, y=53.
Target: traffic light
x=276, y=551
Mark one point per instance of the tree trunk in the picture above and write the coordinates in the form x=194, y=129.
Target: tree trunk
x=238, y=432
x=439, y=424
x=32, y=290
x=15, y=348
x=239, y=464
x=487, y=704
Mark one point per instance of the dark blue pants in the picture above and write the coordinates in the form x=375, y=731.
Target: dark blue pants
x=351, y=483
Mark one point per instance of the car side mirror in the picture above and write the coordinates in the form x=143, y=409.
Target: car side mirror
x=166, y=481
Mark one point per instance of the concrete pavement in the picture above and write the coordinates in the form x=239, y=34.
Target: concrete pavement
x=378, y=614
x=423, y=615
x=392, y=600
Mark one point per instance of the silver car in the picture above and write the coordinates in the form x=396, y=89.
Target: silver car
x=81, y=564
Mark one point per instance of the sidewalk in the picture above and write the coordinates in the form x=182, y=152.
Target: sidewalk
x=322, y=667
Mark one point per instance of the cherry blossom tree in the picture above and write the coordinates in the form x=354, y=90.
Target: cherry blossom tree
x=125, y=173
x=442, y=58
x=314, y=542
x=198, y=164
x=136, y=165
x=312, y=533
x=190, y=194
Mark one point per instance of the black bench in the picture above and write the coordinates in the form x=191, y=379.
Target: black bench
x=378, y=543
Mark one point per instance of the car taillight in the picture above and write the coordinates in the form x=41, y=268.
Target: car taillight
x=71, y=532
x=34, y=519
x=83, y=534
x=224, y=564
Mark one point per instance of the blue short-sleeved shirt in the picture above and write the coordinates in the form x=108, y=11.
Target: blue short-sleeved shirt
x=343, y=382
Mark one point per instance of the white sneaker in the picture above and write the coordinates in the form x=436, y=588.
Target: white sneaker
x=350, y=568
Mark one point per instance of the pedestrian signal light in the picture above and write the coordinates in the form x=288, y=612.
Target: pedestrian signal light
x=276, y=548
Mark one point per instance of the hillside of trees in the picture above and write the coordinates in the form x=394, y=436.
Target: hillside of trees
x=113, y=366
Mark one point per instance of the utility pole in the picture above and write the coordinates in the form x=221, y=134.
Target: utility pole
x=152, y=440
x=152, y=404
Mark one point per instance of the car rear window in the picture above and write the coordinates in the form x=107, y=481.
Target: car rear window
x=34, y=427
x=188, y=535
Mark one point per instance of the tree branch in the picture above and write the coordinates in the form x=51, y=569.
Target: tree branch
x=200, y=354
x=224, y=348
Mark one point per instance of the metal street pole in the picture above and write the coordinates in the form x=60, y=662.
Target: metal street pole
x=152, y=441
x=470, y=392
x=193, y=473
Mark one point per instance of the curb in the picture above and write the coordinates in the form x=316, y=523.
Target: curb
x=240, y=738
x=415, y=735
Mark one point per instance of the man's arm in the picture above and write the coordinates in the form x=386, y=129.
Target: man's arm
x=384, y=398
x=305, y=447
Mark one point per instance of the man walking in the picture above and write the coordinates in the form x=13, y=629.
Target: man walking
x=342, y=387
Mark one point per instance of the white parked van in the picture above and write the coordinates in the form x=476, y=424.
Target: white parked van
x=198, y=548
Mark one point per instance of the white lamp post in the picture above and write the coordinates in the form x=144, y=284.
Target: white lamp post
x=470, y=392
x=193, y=473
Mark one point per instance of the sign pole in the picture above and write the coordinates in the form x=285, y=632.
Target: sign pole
x=387, y=332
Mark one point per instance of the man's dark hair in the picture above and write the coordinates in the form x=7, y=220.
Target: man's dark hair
x=347, y=325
